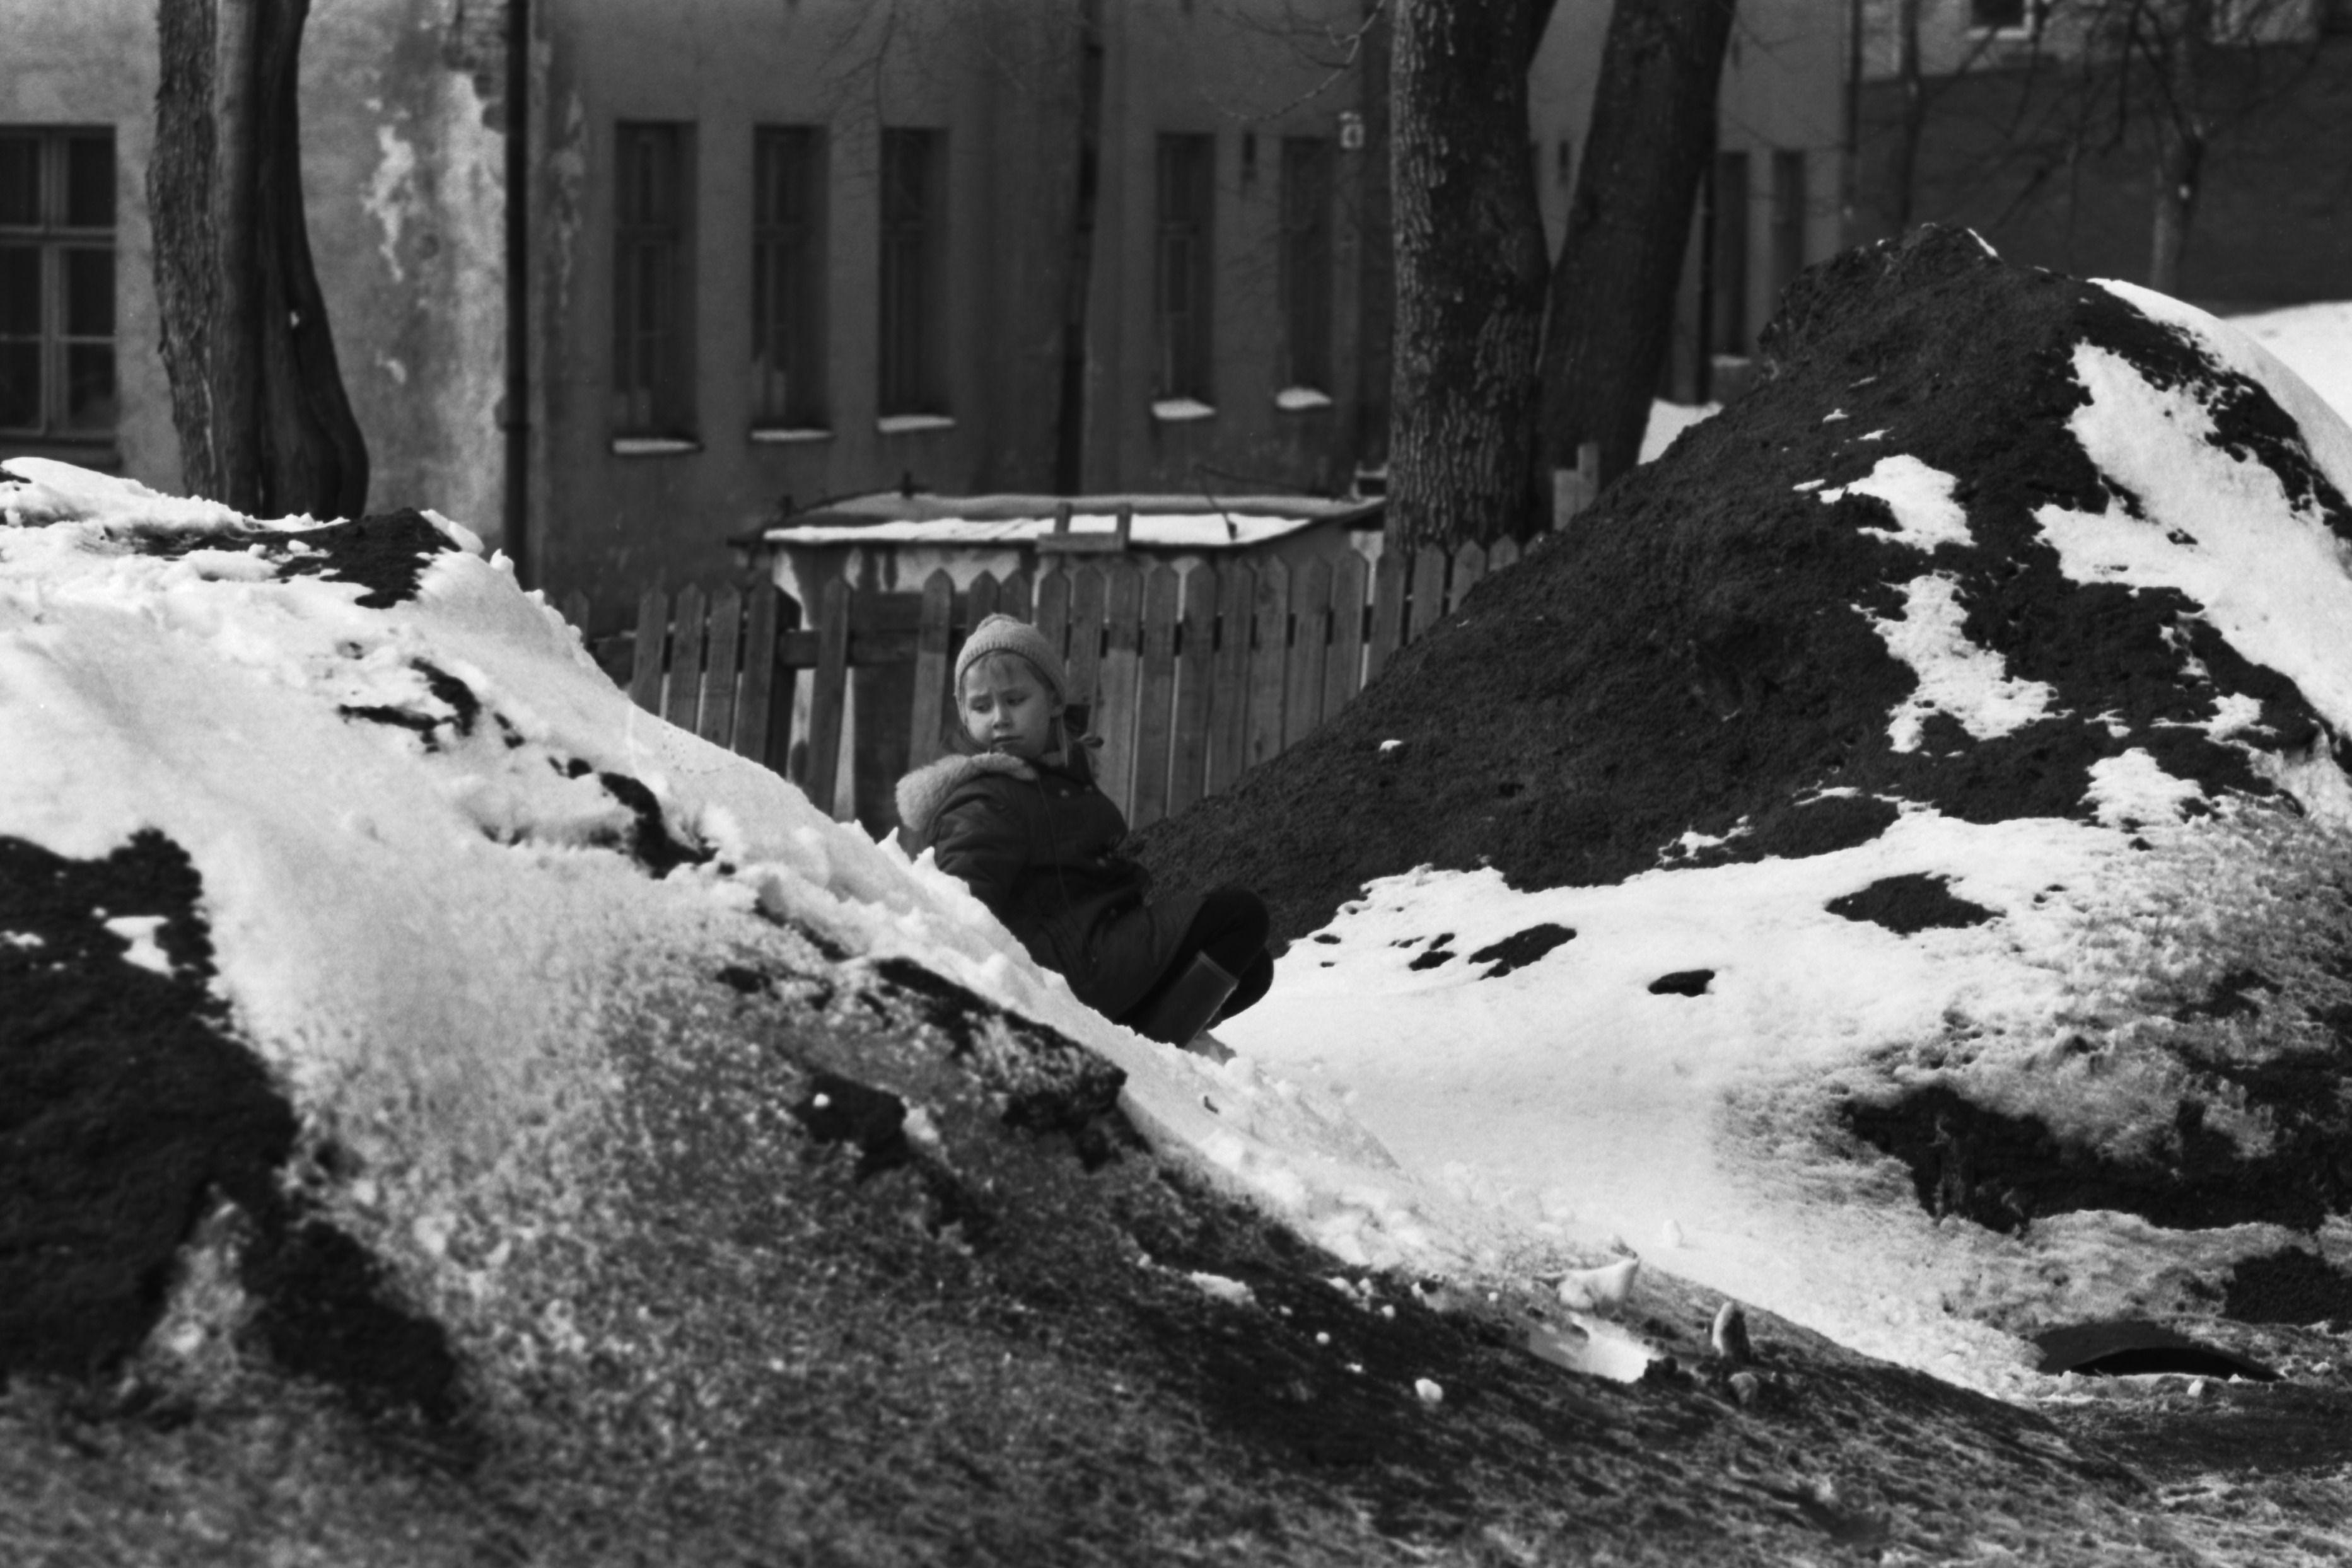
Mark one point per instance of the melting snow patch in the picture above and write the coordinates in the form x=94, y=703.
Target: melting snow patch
x=2273, y=582
x=1956, y=676
x=1920, y=498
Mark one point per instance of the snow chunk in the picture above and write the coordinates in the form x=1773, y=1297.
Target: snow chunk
x=1216, y=1287
x=1956, y=676
x=1919, y=497
x=138, y=931
x=2132, y=787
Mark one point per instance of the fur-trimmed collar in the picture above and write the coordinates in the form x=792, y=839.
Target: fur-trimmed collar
x=922, y=792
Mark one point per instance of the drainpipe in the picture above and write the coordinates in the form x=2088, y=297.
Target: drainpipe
x=517, y=424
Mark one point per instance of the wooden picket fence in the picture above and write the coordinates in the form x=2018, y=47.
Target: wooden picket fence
x=1190, y=678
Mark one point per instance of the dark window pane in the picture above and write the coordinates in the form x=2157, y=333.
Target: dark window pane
x=20, y=385
x=20, y=181
x=913, y=255
x=1306, y=259
x=20, y=291
x=89, y=293
x=89, y=386
x=89, y=182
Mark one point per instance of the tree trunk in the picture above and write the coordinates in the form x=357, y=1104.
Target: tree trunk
x=257, y=396
x=1613, y=290
x=1070, y=430
x=1469, y=272
x=1914, y=125
x=1375, y=245
x=2181, y=131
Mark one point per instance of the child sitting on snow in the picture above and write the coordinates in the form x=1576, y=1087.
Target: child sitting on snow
x=1015, y=814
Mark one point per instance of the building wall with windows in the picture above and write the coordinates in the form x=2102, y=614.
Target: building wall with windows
x=778, y=253
x=2003, y=148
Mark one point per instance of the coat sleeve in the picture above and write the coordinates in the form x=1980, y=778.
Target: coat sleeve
x=977, y=840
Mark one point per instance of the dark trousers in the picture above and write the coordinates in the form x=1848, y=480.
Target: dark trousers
x=1231, y=928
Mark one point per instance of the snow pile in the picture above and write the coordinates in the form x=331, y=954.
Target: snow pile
x=1890, y=865
x=445, y=866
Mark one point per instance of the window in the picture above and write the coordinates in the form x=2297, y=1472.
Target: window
x=914, y=273
x=1307, y=261
x=1181, y=282
x=788, y=278
x=1730, y=240
x=57, y=284
x=2006, y=16
x=1788, y=218
x=653, y=275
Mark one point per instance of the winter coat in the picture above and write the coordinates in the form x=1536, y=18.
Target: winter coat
x=1036, y=842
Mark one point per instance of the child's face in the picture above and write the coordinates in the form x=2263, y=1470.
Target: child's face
x=1006, y=708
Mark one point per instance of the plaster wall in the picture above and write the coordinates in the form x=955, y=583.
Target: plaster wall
x=403, y=179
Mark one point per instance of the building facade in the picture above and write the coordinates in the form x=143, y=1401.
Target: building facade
x=777, y=252
x=2036, y=126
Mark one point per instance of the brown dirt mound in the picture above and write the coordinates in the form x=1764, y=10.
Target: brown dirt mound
x=1690, y=655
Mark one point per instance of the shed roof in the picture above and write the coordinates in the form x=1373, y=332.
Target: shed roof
x=1159, y=522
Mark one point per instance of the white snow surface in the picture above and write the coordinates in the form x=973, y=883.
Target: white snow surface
x=419, y=941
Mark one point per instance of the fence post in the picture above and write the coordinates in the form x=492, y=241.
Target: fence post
x=1153, y=744
x=1428, y=590
x=1188, y=768
x=1310, y=607
x=1387, y=612
x=752, y=697
x=1229, y=686
x=685, y=693
x=1266, y=660
x=1343, y=662
x=1117, y=688
x=1469, y=566
x=653, y=637
x=1054, y=609
x=928, y=708
x=826, y=697
x=1085, y=657
x=717, y=723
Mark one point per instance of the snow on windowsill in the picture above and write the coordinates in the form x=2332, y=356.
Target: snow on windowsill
x=1297, y=400
x=772, y=436
x=652, y=446
x=908, y=423
x=1175, y=409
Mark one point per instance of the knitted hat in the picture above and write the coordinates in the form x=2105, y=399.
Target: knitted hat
x=1003, y=634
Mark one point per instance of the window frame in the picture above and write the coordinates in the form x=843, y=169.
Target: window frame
x=789, y=277
x=1792, y=200
x=1730, y=329
x=1184, y=240
x=53, y=236
x=1308, y=255
x=652, y=403
x=910, y=388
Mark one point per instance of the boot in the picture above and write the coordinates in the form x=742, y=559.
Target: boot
x=1184, y=1009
